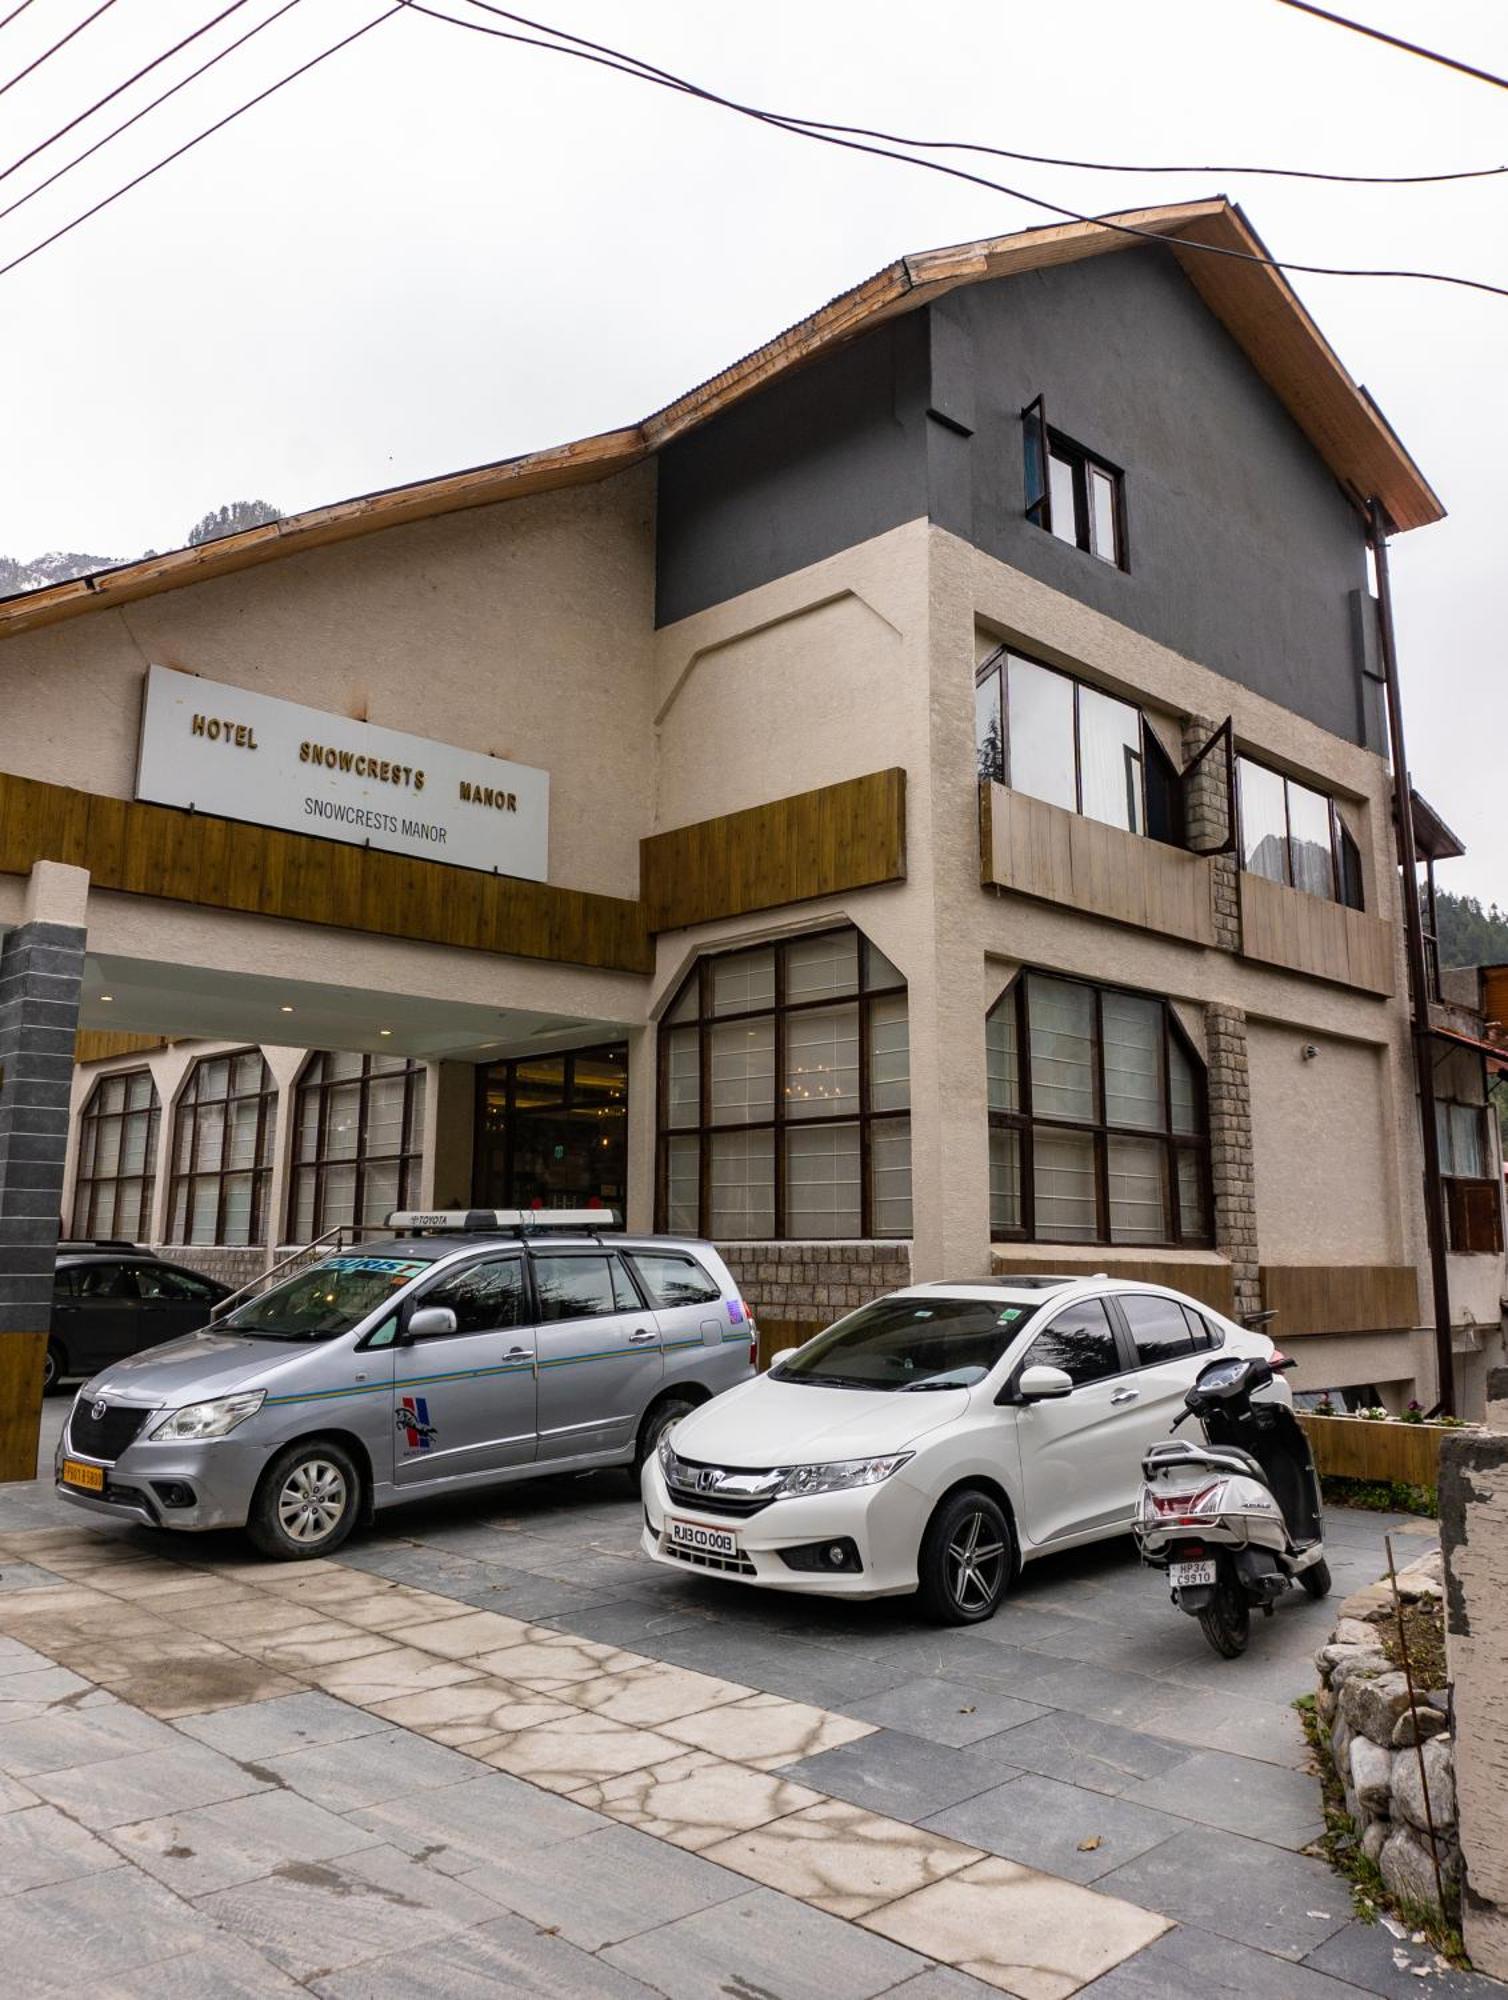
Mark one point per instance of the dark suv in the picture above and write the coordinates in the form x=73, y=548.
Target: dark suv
x=111, y=1299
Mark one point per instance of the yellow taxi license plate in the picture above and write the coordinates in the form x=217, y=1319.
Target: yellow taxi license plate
x=90, y=1477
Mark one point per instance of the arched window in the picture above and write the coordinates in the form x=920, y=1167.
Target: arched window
x=357, y=1143
x=117, y=1157
x=784, y=1094
x=1100, y=1134
x=222, y=1151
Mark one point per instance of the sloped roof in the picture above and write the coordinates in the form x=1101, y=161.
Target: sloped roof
x=1256, y=304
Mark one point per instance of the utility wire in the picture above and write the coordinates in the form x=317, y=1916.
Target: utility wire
x=1396, y=42
x=607, y=57
x=208, y=132
x=14, y=12
x=109, y=97
x=47, y=53
x=136, y=116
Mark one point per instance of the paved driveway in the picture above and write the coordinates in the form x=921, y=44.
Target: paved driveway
x=490, y=1748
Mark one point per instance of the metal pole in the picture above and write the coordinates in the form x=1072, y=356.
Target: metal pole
x=1413, y=930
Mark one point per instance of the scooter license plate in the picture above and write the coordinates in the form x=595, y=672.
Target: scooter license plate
x=1188, y=1574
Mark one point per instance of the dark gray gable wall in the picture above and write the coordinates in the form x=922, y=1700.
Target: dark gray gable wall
x=1245, y=555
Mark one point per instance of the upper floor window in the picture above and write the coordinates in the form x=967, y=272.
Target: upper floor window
x=784, y=1094
x=117, y=1157
x=222, y=1151
x=1043, y=732
x=1073, y=493
x=1098, y=1121
x=357, y=1142
x=1293, y=834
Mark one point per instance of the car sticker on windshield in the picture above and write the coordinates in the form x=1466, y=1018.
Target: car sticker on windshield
x=413, y=1420
x=399, y=1267
x=1010, y=1316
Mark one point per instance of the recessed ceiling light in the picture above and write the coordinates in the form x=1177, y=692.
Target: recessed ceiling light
x=107, y=996
x=285, y=1010
x=384, y=1031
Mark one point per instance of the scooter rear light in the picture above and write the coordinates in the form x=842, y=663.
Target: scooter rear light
x=1171, y=1509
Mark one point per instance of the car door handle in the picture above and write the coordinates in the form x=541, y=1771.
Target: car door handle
x=1125, y=1395
x=641, y=1337
x=518, y=1353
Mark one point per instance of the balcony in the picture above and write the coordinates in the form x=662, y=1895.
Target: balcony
x=1304, y=933
x=1042, y=850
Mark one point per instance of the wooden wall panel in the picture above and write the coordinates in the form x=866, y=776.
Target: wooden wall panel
x=1281, y=926
x=1339, y=1298
x=222, y=864
x=1041, y=850
x=21, y=1357
x=99, y=1044
x=1210, y=1282
x=820, y=843
x=1354, y=1448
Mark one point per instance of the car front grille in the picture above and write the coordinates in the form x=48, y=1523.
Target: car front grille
x=701, y=1559
x=107, y=1435
x=739, y=1505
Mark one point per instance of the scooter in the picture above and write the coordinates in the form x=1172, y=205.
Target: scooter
x=1235, y=1522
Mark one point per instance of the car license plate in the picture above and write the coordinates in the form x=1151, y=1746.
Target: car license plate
x=705, y=1541
x=1189, y=1574
x=90, y=1477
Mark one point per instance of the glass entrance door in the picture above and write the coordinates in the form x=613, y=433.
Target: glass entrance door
x=552, y=1131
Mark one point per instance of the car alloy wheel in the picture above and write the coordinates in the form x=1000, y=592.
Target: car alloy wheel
x=312, y=1501
x=975, y=1557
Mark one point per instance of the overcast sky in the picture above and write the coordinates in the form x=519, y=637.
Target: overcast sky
x=439, y=249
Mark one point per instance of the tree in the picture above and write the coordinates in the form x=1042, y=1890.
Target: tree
x=220, y=521
x=1470, y=935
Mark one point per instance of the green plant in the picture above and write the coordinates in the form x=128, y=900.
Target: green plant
x=1376, y=1414
x=1414, y=1414
x=1379, y=1496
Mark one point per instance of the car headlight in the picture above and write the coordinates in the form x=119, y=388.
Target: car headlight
x=665, y=1452
x=210, y=1420
x=840, y=1475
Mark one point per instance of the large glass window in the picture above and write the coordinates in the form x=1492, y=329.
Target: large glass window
x=117, y=1157
x=1099, y=1135
x=784, y=1094
x=553, y=1130
x=222, y=1151
x=1292, y=834
x=1059, y=739
x=358, y=1137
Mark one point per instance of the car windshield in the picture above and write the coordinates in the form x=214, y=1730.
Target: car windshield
x=909, y=1345
x=325, y=1301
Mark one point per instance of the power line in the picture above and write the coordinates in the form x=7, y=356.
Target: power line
x=109, y=97
x=14, y=12
x=606, y=57
x=136, y=116
x=208, y=132
x=1396, y=42
x=46, y=54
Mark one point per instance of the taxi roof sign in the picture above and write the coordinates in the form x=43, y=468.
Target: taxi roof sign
x=462, y=1220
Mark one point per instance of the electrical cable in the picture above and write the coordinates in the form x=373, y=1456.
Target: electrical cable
x=607, y=57
x=1396, y=42
x=136, y=116
x=109, y=97
x=14, y=12
x=208, y=132
x=47, y=54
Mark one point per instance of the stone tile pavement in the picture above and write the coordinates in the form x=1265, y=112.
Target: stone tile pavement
x=497, y=1752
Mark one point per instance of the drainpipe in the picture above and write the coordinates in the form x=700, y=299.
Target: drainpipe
x=1413, y=930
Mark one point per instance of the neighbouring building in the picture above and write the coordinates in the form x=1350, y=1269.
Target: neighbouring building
x=917, y=803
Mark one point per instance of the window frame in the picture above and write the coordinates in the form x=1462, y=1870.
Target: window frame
x=409, y=1158
x=1114, y=1325
x=607, y=1253
x=1345, y=851
x=1043, y=442
x=1152, y=749
x=187, y=1107
x=91, y=1117
x=1025, y=1122
x=778, y=1010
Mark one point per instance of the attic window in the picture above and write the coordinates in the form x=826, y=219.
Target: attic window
x=1075, y=495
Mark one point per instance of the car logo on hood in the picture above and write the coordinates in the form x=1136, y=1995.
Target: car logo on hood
x=98, y=1409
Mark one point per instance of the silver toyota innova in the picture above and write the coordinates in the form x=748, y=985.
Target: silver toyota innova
x=472, y=1348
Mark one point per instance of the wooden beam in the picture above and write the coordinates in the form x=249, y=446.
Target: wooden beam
x=820, y=843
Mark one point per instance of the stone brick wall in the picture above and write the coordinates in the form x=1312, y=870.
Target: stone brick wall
x=797, y=1288
x=226, y=1263
x=1232, y=1162
x=1474, y=1537
x=1209, y=817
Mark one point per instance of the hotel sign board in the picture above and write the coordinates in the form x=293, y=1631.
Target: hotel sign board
x=239, y=755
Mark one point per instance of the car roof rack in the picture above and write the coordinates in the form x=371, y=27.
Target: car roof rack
x=521, y=1222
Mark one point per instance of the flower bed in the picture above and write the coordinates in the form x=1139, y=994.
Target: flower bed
x=1383, y=1448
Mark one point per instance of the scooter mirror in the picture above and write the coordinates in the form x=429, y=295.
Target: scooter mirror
x=1043, y=1385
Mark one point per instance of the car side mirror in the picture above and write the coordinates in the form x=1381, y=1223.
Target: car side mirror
x=427, y=1321
x=1043, y=1385
x=782, y=1354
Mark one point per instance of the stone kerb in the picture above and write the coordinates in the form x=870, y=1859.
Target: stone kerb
x=1378, y=1744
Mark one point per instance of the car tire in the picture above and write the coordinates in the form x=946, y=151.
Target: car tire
x=1316, y=1579
x=54, y=1367
x=307, y=1501
x=657, y=1420
x=966, y=1561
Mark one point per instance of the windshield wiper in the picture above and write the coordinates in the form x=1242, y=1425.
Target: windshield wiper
x=922, y=1388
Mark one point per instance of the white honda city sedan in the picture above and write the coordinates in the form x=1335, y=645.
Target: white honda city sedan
x=935, y=1440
